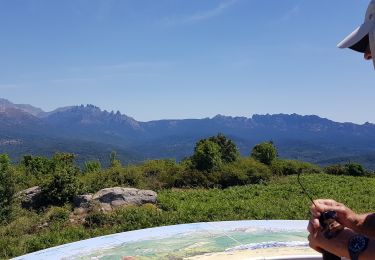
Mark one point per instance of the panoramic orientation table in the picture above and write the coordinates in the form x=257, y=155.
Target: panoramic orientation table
x=253, y=239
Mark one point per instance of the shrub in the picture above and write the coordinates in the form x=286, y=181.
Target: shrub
x=130, y=176
x=352, y=169
x=57, y=214
x=97, y=218
x=7, y=187
x=92, y=166
x=190, y=178
x=36, y=166
x=113, y=160
x=336, y=169
x=161, y=173
x=207, y=156
x=62, y=185
x=228, y=149
x=289, y=167
x=355, y=169
x=264, y=152
x=244, y=171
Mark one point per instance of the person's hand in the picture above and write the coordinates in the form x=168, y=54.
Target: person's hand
x=345, y=216
x=337, y=245
x=315, y=239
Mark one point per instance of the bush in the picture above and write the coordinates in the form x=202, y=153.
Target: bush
x=244, y=171
x=113, y=160
x=62, y=185
x=351, y=169
x=207, y=156
x=228, y=149
x=289, y=167
x=130, y=176
x=7, y=187
x=355, y=169
x=191, y=178
x=57, y=214
x=161, y=173
x=92, y=166
x=97, y=218
x=336, y=169
x=36, y=166
x=264, y=152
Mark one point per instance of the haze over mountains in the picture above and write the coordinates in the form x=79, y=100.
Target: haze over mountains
x=92, y=133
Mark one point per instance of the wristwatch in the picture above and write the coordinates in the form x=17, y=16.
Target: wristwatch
x=357, y=244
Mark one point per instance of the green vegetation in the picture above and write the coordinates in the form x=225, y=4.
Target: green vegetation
x=6, y=187
x=264, y=152
x=352, y=169
x=61, y=185
x=214, y=184
x=207, y=156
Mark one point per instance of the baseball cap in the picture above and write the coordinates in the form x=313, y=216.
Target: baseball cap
x=364, y=35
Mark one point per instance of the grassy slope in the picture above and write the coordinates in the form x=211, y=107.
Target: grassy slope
x=280, y=199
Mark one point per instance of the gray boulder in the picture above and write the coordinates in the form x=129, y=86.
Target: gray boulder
x=31, y=198
x=111, y=198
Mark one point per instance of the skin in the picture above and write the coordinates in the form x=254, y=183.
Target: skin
x=368, y=55
x=354, y=224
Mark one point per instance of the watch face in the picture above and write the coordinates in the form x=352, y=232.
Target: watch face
x=357, y=244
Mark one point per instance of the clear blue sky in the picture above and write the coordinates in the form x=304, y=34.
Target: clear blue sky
x=159, y=59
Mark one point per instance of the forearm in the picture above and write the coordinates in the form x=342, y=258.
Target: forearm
x=369, y=252
x=339, y=246
x=365, y=224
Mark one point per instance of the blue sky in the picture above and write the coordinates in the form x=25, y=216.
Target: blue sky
x=159, y=59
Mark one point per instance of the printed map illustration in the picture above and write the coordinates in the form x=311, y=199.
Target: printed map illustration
x=212, y=240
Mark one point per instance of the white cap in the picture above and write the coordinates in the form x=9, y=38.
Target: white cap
x=363, y=35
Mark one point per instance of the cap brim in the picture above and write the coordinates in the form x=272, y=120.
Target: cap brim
x=357, y=36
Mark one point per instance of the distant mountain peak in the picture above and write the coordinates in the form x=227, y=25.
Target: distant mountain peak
x=4, y=101
x=35, y=111
x=90, y=115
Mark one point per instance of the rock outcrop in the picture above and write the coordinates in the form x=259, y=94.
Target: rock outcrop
x=31, y=198
x=111, y=198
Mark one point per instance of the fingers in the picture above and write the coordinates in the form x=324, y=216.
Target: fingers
x=322, y=205
x=319, y=206
x=313, y=226
x=313, y=243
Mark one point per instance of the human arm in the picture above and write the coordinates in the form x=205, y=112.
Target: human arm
x=339, y=245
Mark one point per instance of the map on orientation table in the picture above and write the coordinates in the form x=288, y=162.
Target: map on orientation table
x=211, y=240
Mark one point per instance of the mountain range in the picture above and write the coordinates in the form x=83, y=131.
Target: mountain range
x=92, y=133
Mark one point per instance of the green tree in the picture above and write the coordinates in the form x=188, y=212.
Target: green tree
x=336, y=169
x=7, y=187
x=113, y=160
x=264, y=152
x=62, y=185
x=207, y=156
x=36, y=166
x=63, y=159
x=355, y=169
x=228, y=149
x=92, y=166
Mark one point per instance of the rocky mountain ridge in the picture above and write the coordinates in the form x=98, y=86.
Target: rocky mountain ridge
x=309, y=138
